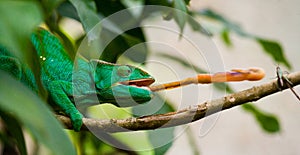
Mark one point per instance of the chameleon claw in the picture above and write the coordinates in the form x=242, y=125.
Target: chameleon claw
x=76, y=119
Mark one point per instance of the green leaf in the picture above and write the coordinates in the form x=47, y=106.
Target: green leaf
x=121, y=21
x=122, y=43
x=114, y=34
x=109, y=7
x=66, y=9
x=87, y=13
x=228, y=25
x=37, y=118
x=268, y=122
x=226, y=38
x=275, y=50
x=158, y=2
x=15, y=32
x=140, y=51
x=49, y=6
x=180, y=14
x=196, y=26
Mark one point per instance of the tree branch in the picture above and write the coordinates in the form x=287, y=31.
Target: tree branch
x=184, y=116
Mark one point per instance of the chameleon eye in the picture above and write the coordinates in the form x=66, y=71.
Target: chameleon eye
x=123, y=71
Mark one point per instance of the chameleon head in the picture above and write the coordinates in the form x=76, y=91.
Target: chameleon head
x=122, y=85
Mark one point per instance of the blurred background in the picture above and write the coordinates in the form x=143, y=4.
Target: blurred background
x=234, y=131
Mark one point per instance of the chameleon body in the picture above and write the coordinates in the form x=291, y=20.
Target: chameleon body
x=86, y=82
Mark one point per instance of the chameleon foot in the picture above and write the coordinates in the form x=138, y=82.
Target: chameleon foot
x=76, y=119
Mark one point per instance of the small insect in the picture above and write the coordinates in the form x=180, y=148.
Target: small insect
x=283, y=80
x=251, y=74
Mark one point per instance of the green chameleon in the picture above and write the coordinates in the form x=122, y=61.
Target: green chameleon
x=86, y=82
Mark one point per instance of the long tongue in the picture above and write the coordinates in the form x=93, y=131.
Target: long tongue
x=139, y=82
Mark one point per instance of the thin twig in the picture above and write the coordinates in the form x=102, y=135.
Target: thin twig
x=294, y=92
x=281, y=80
x=184, y=116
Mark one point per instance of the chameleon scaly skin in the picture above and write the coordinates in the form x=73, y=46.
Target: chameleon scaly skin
x=121, y=85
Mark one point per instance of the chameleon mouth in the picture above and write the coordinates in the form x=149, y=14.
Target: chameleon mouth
x=139, y=82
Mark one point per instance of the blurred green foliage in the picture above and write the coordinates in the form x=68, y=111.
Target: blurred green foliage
x=17, y=104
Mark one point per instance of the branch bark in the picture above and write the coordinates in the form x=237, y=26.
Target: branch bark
x=184, y=116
